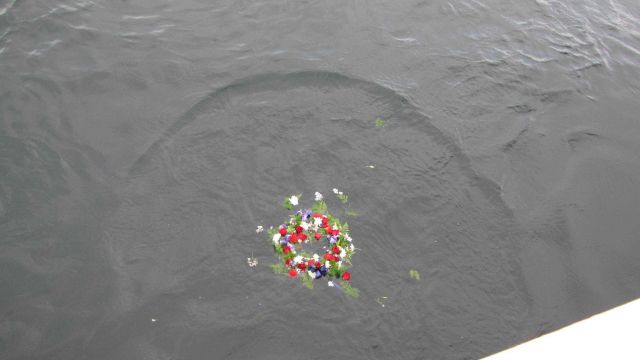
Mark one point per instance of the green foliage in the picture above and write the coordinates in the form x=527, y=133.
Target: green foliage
x=307, y=281
x=319, y=207
x=349, y=290
x=343, y=197
x=349, y=212
x=414, y=274
x=278, y=268
x=379, y=122
x=287, y=203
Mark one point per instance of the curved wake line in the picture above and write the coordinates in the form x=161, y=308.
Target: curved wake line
x=401, y=106
x=267, y=82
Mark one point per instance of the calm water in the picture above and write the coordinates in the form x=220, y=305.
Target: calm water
x=142, y=142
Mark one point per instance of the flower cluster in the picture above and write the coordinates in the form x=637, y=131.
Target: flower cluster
x=307, y=226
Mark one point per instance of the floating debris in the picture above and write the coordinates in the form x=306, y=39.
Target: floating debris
x=381, y=300
x=379, y=122
x=252, y=261
x=414, y=274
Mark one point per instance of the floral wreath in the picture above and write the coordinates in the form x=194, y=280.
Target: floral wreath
x=307, y=226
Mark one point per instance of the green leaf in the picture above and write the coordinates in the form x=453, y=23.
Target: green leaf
x=278, y=268
x=307, y=281
x=319, y=207
x=379, y=122
x=350, y=212
x=287, y=203
x=349, y=290
x=414, y=274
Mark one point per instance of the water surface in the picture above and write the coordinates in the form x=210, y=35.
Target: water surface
x=141, y=143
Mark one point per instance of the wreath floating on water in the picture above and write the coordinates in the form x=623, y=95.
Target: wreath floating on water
x=314, y=226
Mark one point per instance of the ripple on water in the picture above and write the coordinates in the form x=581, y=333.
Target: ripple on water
x=193, y=199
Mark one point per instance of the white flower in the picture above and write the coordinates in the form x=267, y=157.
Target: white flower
x=339, y=264
x=294, y=200
x=335, y=191
x=276, y=238
x=305, y=226
x=347, y=237
x=317, y=221
x=297, y=259
x=340, y=193
x=327, y=264
x=351, y=247
x=252, y=262
x=330, y=283
x=342, y=253
x=318, y=196
x=312, y=274
x=259, y=229
x=316, y=257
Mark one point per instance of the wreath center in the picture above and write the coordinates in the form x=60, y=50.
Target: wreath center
x=314, y=226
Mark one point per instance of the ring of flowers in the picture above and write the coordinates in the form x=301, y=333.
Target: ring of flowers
x=306, y=226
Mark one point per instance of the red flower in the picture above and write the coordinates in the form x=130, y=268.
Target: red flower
x=310, y=262
x=335, y=232
x=335, y=249
x=293, y=273
x=329, y=229
x=287, y=262
x=298, y=229
x=331, y=257
x=283, y=231
x=302, y=266
x=286, y=250
x=346, y=276
x=303, y=237
x=318, y=236
x=316, y=215
x=317, y=264
x=293, y=239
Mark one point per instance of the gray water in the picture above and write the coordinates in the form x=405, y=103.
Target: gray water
x=142, y=142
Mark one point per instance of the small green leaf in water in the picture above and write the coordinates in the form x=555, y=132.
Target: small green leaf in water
x=278, y=268
x=350, y=212
x=414, y=274
x=319, y=207
x=287, y=204
x=349, y=290
x=307, y=281
x=379, y=122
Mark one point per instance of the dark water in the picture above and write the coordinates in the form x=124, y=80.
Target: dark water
x=141, y=143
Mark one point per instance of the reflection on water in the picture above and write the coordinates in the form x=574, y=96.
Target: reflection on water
x=142, y=143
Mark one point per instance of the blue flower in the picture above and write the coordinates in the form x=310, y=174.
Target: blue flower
x=332, y=240
x=318, y=274
x=323, y=270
